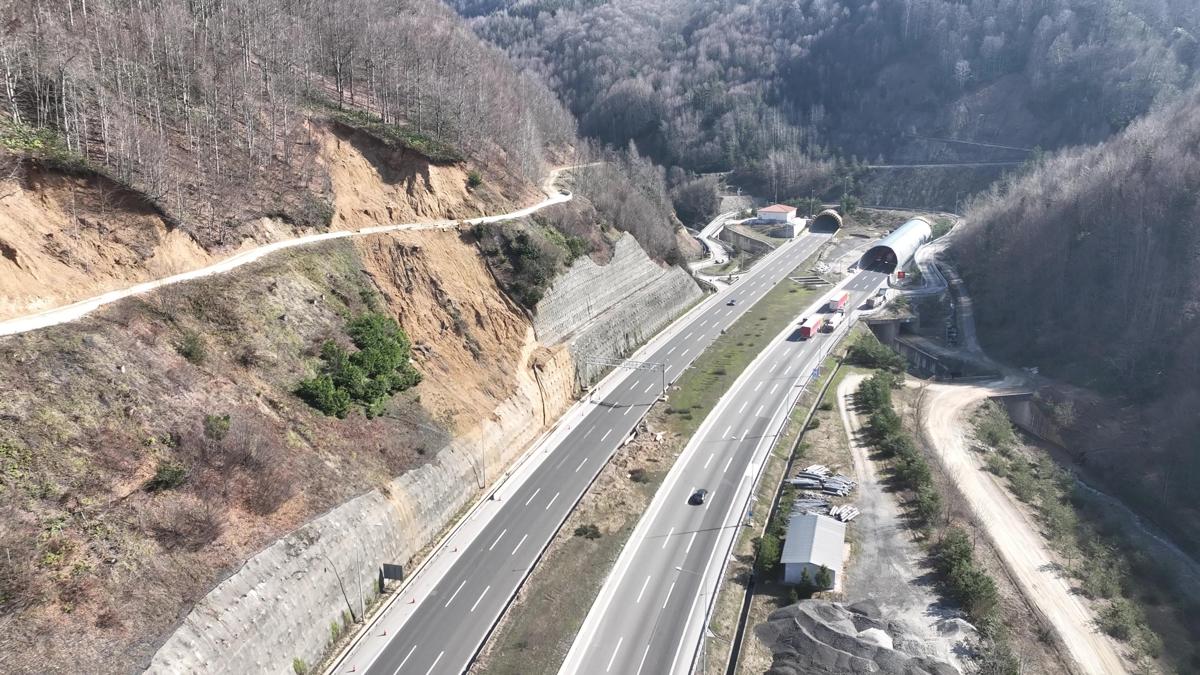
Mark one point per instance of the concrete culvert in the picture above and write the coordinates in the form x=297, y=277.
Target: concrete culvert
x=827, y=221
x=896, y=250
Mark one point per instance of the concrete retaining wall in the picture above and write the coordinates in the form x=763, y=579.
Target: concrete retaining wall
x=280, y=604
x=743, y=242
x=608, y=311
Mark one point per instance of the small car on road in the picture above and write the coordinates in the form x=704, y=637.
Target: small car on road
x=698, y=497
x=732, y=302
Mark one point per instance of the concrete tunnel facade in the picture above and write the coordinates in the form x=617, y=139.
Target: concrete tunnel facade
x=827, y=220
x=896, y=250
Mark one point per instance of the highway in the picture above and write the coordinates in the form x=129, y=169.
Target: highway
x=450, y=623
x=649, y=615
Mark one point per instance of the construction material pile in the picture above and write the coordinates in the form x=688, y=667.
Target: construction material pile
x=818, y=636
x=844, y=513
x=818, y=477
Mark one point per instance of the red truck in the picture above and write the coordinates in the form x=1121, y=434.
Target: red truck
x=811, y=326
x=838, y=302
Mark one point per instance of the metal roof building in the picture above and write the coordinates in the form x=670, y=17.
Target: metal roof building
x=813, y=541
x=896, y=250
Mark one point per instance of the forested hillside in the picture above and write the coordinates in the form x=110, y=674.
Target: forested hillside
x=1088, y=267
x=772, y=88
x=207, y=107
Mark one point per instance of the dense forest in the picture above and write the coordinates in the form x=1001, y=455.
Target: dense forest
x=1086, y=267
x=205, y=106
x=767, y=86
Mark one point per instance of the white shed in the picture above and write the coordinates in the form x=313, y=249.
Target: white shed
x=777, y=213
x=813, y=541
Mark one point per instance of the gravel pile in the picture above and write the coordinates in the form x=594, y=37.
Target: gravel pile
x=818, y=636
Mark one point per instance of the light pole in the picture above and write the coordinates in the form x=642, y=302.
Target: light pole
x=704, y=613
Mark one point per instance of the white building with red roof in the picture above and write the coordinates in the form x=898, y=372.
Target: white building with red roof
x=777, y=213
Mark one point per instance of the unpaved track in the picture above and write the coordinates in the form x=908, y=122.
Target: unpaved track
x=885, y=567
x=1014, y=536
x=77, y=310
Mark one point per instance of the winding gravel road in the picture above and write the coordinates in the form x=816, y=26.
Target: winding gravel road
x=77, y=310
x=1014, y=535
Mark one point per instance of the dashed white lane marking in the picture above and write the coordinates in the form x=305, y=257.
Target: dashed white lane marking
x=670, y=350
x=689, y=335
x=551, y=502
x=614, y=655
x=668, y=537
x=703, y=324
x=644, y=585
x=480, y=598
x=684, y=352
x=709, y=460
x=758, y=386
x=648, y=388
x=627, y=409
x=519, y=544
x=581, y=465
x=727, y=430
x=759, y=411
x=535, y=493
x=708, y=502
x=690, y=542
x=605, y=435
x=727, y=465
x=405, y=660
x=789, y=369
x=771, y=369
x=643, y=661
x=435, y=662
x=498, y=539
x=590, y=430
x=773, y=389
x=745, y=434
x=743, y=408
x=455, y=595
x=668, y=598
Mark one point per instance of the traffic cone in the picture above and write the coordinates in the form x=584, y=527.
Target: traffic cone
x=412, y=601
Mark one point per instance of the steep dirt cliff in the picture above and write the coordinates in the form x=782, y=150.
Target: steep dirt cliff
x=66, y=237
x=98, y=568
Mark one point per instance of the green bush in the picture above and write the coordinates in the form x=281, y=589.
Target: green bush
x=589, y=531
x=814, y=423
x=825, y=405
x=868, y=352
x=168, y=475
x=767, y=551
x=192, y=347
x=639, y=475
x=474, y=179
x=993, y=428
x=299, y=666
x=370, y=376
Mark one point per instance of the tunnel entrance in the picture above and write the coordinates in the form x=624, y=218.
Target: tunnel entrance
x=880, y=259
x=826, y=221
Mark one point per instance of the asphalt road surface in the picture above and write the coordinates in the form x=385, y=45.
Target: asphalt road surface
x=451, y=623
x=648, y=617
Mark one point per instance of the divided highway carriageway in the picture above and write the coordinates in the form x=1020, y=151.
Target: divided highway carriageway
x=445, y=630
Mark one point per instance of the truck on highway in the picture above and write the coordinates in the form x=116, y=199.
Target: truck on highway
x=831, y=323
x=838, y=302
x=811, y=326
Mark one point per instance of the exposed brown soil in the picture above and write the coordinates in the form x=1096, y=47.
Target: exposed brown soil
x=95, y=570
x=67, y=237
x=64, y=238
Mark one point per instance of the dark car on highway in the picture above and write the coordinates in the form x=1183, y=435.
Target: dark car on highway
x=698, y=496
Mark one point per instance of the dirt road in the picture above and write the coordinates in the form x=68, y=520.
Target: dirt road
x=1014, y=536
